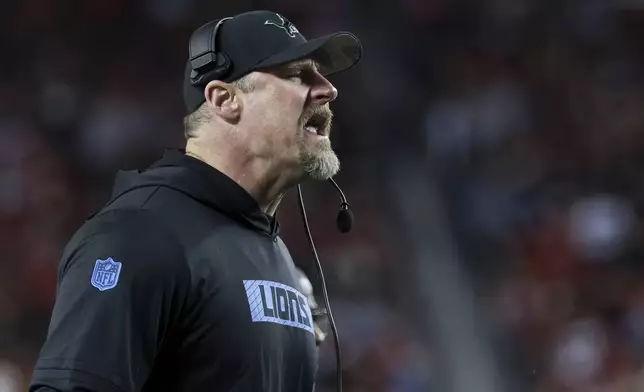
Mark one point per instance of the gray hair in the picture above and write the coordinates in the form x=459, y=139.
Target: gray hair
x=195, y=120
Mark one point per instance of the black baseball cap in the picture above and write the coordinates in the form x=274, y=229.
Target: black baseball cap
x=262, y=39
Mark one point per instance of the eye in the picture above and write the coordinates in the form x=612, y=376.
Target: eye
x=297, y=75
x=304, y=76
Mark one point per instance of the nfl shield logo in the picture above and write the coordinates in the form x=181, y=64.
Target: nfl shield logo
x=106, y=274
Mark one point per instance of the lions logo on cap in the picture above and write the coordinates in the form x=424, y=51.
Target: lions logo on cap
x=285, y=25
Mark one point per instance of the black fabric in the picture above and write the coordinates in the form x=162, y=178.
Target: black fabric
x=203, y=183
x=261, y=39
x=207, y=298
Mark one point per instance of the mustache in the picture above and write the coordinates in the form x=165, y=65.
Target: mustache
x=323, y=111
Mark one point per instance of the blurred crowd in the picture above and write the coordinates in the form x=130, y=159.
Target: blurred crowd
x=529, y=113
x=537, y=135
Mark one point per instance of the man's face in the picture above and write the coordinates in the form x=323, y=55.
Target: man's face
x=291, y=105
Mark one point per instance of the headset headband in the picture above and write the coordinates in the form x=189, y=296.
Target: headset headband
x=207, y=64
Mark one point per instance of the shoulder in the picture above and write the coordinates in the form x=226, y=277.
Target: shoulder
x=133, y=235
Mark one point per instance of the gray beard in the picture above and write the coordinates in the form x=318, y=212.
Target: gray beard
x=319, y=162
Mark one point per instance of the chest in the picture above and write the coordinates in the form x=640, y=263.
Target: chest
x=248, y=309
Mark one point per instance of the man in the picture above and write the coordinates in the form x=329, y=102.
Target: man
x=181, y=282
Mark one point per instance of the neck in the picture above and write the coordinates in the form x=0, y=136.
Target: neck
x=266, y=186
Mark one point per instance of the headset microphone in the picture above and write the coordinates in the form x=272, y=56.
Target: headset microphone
x=344, y=222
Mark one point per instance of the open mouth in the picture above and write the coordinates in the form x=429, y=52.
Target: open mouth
x=317, y=125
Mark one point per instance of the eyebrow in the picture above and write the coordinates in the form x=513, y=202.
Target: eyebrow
x=302, y=65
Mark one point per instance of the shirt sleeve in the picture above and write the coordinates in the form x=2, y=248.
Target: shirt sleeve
x=121, y=288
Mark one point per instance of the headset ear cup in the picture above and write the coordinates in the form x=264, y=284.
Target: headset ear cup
x=207, y=63
x=195, y=78
x=221, y=67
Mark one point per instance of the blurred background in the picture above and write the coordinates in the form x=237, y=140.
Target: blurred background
x=492, y=155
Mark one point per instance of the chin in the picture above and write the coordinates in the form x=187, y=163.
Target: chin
x=321, y=166
x=318, y=160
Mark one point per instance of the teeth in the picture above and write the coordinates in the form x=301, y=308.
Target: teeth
x=311, y=129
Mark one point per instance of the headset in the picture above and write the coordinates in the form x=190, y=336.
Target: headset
x=208, y=64
x=344, y=223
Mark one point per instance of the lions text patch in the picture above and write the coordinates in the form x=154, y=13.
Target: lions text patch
x=272, y=302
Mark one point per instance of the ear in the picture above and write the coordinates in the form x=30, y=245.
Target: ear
x=223, y=100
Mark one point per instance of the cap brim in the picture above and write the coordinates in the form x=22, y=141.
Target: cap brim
x=334, y=53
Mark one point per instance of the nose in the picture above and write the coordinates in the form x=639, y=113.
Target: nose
x=323, y=91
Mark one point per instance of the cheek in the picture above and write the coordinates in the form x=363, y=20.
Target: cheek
x=285, y=119
x=278, y=130
x=280, y=119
